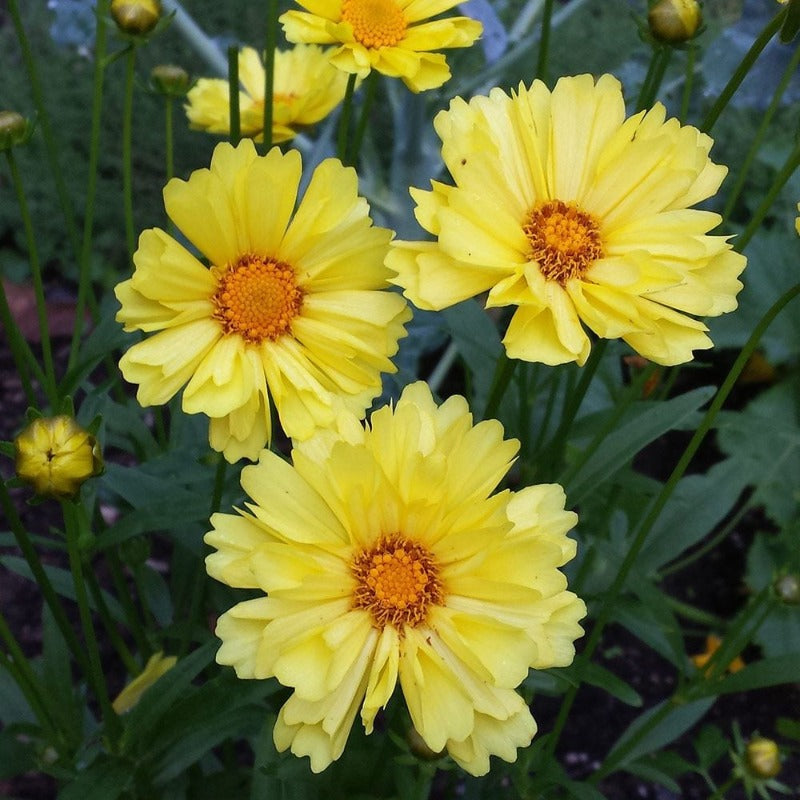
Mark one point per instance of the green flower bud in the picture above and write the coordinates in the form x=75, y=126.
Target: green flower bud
x=674, y=21
x=419, y=748
x=136, y=17
x=763, y=758
x=787, y=587
x=13, y=129
x=170, y=80
x=55, y=455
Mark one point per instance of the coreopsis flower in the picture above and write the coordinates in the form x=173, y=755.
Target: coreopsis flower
x=385, y=557
x=56, y=455
x=712, y=645
x=578, y=217
x=306, y=88
x=393, y=37
x=291, y=306
x=157, y=665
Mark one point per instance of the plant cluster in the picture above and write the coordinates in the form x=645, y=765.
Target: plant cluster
x=460, y=358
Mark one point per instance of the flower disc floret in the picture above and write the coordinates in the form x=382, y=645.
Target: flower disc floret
x=565, y=241
x=375, y=23
x=384, y=556
x=397, y=582
x=257, y=299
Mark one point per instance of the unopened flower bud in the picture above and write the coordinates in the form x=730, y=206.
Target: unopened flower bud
x=763, y=758
x=419, y=748
x=157, y=665
x=13, y=129
x=136, y=17
x=787, y=587
x=170, y=80
x=56, y=455
x=674, y=20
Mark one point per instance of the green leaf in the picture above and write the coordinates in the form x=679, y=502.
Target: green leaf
x=479, y=345
x=14, y=707
x=790, y=728
x=645, y=423
x=676, y=721
x=769, y=672
x=582, y=791
x=105, y=779
x=697, y=505
x=597, y=675
x=655, y=625
x=56, y=672
x=710, y=745
x=17, y=754
x=792, y=22
x=143, y=719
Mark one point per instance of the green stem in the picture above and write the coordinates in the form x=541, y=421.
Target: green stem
x=233, y=92
x=658, y=505
x=270, y=43
x=632, y=392
x=96, y=676
x=46, y=126
x=688, y=83
x=503, y=373
x=38, y=287
x=169, y=138
x=755, y=146
x=24, y=359
x=722, y=790
x=773, y=26
x=85, y=295
x=711, y=544
x=344, y=119
x=554, y=452
x=198, y=587
x=544, y=40
x=28, y=681
x=363, y=119
x=40, y=576
x=110, y=626
x=128, y=606
x=127, y=147
x=788, y=169
x=655, y=75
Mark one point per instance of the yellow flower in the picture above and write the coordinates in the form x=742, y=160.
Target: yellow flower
x=385, y=557
x=56, y=455
x=712, y=645
x=157, y=665
x=797, y=221
x=394, y=37
x=306, y=88
x=291, y=305
x=564, y=208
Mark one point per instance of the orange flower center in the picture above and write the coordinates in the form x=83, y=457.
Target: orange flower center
x=257, y=298
x=375, y=23
x=565, y=241
x=396, y=581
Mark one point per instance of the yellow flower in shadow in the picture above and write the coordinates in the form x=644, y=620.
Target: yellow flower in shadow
x=712, y=645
